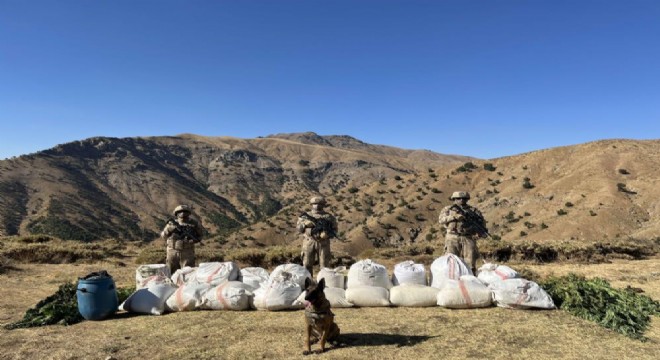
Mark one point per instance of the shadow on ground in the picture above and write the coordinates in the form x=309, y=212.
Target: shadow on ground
x=376, y=339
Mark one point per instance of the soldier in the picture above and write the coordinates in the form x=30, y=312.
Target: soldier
x=181, y=235
x=464, y=225
x=317, y=228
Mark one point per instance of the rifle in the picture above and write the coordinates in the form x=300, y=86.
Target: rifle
x=184, y=232
x=472, y=219
x=320, y=225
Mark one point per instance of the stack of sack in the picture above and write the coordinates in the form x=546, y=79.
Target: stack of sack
x=254, y=277
x=211, y=286
x=510, y=291
x=282, y=289
x=151, y=294
x=458, y=287
x=410, y=286
x=335, y=285
x=368, y=284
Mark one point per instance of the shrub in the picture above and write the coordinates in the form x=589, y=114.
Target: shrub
x=527, y=183
x=623, y=311
x=561, y=212
x=489, y=167
x=397, y=177
x=568, y=204
x=353, y=190
x=467, y=167
x=624, y=172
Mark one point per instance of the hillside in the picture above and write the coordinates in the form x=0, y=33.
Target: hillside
x=595, y=192
x=125, y=188
x=249, y=192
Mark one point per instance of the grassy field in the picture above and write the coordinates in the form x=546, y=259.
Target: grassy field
x=378, y=333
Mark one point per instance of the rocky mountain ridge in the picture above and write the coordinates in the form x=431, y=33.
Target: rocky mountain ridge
x=109, y=187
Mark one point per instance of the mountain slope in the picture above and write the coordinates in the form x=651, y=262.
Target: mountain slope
x=108, y=187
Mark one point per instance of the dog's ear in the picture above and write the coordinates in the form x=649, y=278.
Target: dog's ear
x=308, y=282
x=321, y=284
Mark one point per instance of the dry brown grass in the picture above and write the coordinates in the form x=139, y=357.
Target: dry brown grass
x=384, y=333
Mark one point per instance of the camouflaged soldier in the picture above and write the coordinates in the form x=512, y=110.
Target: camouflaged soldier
x=465, y=224
x=181, y=234
x=318, y=227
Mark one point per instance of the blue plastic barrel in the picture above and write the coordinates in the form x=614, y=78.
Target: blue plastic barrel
x=97, y=297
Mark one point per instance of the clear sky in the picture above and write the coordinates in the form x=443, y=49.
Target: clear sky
x=481, y=78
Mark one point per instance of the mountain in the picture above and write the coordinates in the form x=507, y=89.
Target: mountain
x=109, y=187
x=594, y=192
x=249, y=192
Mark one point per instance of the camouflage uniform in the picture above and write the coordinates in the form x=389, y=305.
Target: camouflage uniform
x=317, y=239
x=181, y=239
x=461, y=236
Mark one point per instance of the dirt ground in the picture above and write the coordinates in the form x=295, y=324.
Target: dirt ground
x=367, y=333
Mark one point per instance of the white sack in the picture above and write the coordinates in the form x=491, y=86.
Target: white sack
x=230, y=295
x=277, y=294
x=368, y=296
x=368, y=273
x=408, y=272
x=296, y=273
x=337, y=297
x=448, y=266
x=490, y=273
x=466, y=293
x=520, y=294
x=188, y=297
x=254, y=277
x=333, y=277
x=151, y=298
x=414, y=295
x=144, y=272
x=216, y=273
x=184, y=276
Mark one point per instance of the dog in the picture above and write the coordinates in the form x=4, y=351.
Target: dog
x=319, y=319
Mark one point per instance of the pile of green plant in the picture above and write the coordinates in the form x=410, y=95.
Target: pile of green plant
x=622, y=310
x=59, y=308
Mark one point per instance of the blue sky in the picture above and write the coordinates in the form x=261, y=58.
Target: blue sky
x=481, y=78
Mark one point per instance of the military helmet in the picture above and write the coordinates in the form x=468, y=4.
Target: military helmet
x=317, y=200
x=181, y=208
x=460, y=195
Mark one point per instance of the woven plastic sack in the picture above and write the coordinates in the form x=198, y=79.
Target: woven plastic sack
x=466, y=293
x=490, y=273
x=448, y=266
x=144, y=272
x=296, y=273
x=230, y=295
x=216, y=273
x=368, y=273
x=413, y=295
x=277, y=294
x=254, y=277
x=334, y=278
x=368, y=296
x=520, y=294
x=151, y=298
x=184, y=275
x=188, y=297
x=408, y=272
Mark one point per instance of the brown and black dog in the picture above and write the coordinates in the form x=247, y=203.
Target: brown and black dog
x=319, y=319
